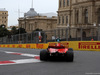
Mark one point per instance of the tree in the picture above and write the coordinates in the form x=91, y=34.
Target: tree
x=21, y=31
x=2, y=26
x=38, y=29
x=13, y=30
x=3, y=31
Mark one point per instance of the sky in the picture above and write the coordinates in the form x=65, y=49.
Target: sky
x=40, y=6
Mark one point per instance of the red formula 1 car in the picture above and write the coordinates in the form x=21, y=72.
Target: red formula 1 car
x=57, y=51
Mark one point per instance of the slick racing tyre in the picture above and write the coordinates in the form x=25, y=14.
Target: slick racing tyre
x=69, y=56
x=43, y=55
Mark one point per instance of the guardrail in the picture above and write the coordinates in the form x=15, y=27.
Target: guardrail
x=76, y=45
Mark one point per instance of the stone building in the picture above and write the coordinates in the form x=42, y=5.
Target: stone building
x=3, y=16
x=33, y=20
x=81, y=16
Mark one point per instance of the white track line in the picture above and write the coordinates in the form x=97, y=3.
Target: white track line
x=23, y=54
x=22, y=61
x=29, y=55
x=9, y=52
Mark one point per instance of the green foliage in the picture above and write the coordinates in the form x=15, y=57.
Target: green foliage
x=2, y=26
x=37, y=30
x=13, y=30
x=3, y=31
x=21, y=31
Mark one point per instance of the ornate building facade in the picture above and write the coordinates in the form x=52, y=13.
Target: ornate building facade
x=32, y=21
x=3, y=17
x=79, y=14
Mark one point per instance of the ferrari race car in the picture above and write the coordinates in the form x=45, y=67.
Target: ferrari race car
x=57, y=51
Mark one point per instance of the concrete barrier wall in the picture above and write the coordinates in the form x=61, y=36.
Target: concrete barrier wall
x=76, y=45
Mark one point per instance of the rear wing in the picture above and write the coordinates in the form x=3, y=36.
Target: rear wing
x=56, y=47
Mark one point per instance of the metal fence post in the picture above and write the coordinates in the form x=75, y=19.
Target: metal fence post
x=58, y=33
x=45, y=38
x=2, y=40
x=81, y=34
x=22, y=38
x=26, y=38
x=98, y=33
x=92, y=33
x=55, y=35
x=15, y=37
x=31, y=37
x=76, y=34
x=66, y=34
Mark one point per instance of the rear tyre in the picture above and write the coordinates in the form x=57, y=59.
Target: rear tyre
x=70, y=49
x=43, y=55
x=69, y=56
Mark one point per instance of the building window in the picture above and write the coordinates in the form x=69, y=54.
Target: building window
x=60, y=4
x=98, y=14
x=58, y=32
x=21, y=25
x=66, y=19
x=64, y=3
x=86, y=16
x=77, y=16
x=59, y=19
x=29, y=26
x=25, y=26
x=67, y=2
x=63, y=19
x=62, y=32
x=84, y=34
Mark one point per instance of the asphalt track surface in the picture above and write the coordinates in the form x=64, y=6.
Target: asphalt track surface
x=85, y=63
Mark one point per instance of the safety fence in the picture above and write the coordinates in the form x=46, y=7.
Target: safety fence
x=64, y=34
x=76, y=45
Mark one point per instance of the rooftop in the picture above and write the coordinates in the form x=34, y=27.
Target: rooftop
x=31, y=13
x=3, y=9
x=49, y=15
